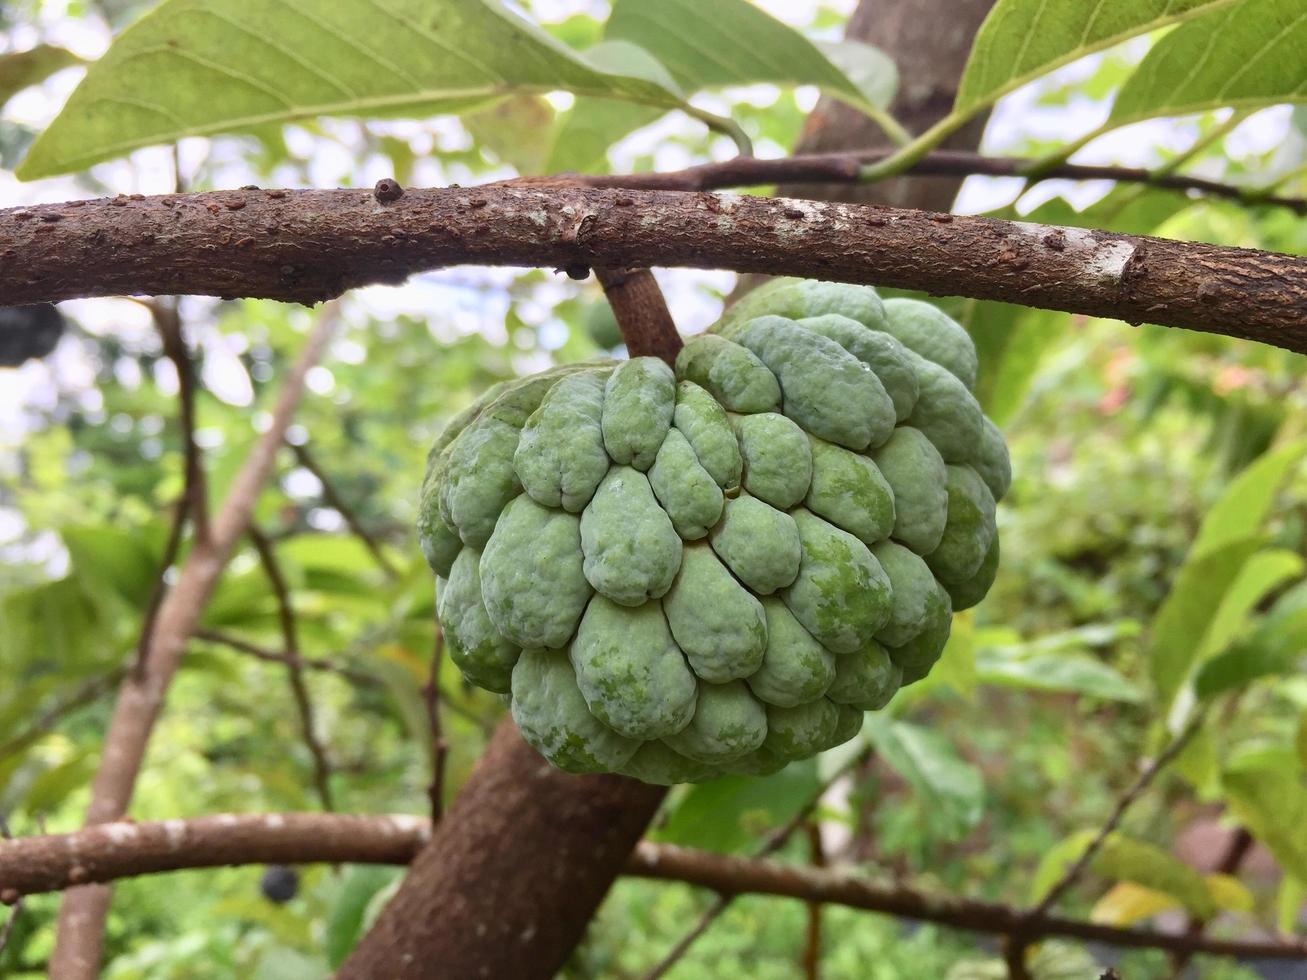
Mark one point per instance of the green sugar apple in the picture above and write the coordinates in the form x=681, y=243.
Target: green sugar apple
x=719, y=568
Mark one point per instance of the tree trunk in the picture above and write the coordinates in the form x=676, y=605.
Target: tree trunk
x=513, y=873
x=929, y=40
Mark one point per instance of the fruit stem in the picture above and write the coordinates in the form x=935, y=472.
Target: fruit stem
x=641, y=313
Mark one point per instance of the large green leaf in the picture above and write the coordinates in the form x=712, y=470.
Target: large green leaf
x=726, y=42
x=114, y=560
x=345, y=921
x=19, y=69
x=1074, y=673
x=1273, y=805
x=202, y=67
x=1263, y=573
x=1273, y=649
x=731, y=813
x=1247, y=56
x=1178, y=630
x=1023, y=39
x=950, y=789
x=1246, y=502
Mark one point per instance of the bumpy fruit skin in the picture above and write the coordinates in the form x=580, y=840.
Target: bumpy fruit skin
x=678, y=574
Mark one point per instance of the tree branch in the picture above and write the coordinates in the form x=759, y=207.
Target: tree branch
x=641, y=313
x=140, y=697
x=87, y=693
x=333, y=499
x=290, y=639
x=274, y=657
x=439, y=747
x=33, y=865
x=306, y=246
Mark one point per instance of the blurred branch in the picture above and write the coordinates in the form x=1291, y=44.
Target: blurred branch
x=274, y=657
x=33, y=865
x=439, y=747
x=1240, y=844
x=87, y=693
x=294, y=673
x=217, y=244
x=337, y=502
x=181, y=509
x=812, y=941
x=772, y=843
x=80, y=933
x=1127, y=799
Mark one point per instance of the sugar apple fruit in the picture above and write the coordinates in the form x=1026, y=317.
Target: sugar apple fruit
x=676, y=574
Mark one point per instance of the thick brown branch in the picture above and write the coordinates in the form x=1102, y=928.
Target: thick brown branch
x=290, y=639
x=32, y=865
x=141, y=695
x=307, y=246
x=513, y=873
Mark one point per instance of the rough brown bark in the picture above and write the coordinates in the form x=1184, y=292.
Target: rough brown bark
x=80, y=931
x=306, y=246
x=641, y=313
x=929, y=41
x=32, y=865
x=513, y=873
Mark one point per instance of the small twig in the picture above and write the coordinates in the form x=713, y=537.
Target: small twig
x=1141, y=783
x=1014, y=957
x=812, y=941
x=431, y=696
x=772, y=843
x=286, y=616
x=337, y=502
x=323, y=664
x=167, y=320
x=90, y=691
x=12, y=919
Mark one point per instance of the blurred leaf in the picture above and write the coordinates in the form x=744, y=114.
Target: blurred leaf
x=731, y=813
x=1073, y=673
x=1229, y=894
x=1246, y=56
x=254, y=63
x=866, y=66
x=727, y=42
x=54, y=785
x=1127, y=859
x=1023, y=39
x=1178, y=629
x=53, y=623
x=1261, y=575
x=1272, y=804
x=950, y=789
x=1127, y=904
x=1289, y=901
x=1246, y=502
x=956, y=666
x=581, y=140
x=1011, y=342
x=1272, y=649
x=516, y=130
x=21, y=69
x=345, y=920
x=118, y=560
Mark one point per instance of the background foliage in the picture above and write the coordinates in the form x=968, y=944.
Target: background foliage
x=1153, y=542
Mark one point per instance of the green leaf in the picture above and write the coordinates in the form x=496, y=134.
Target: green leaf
x=1288, y=903
x=1261, y=575
x=1011, y=342
x=516, y=130
x=21, y=69
x=592, y=125
x=950, y=788
x=866, y=66
x=1178, y=630
x=1124, y=858
x=345, y=920
x=57, y=783
x=1023, y=39
x=117, y=560
x=726, y=42
x=1070, y=672
x=1246, y=56
x=203, y=67
x=729, y=814
x=1273, y=806
x=1272, y=649
x=1246, y=502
